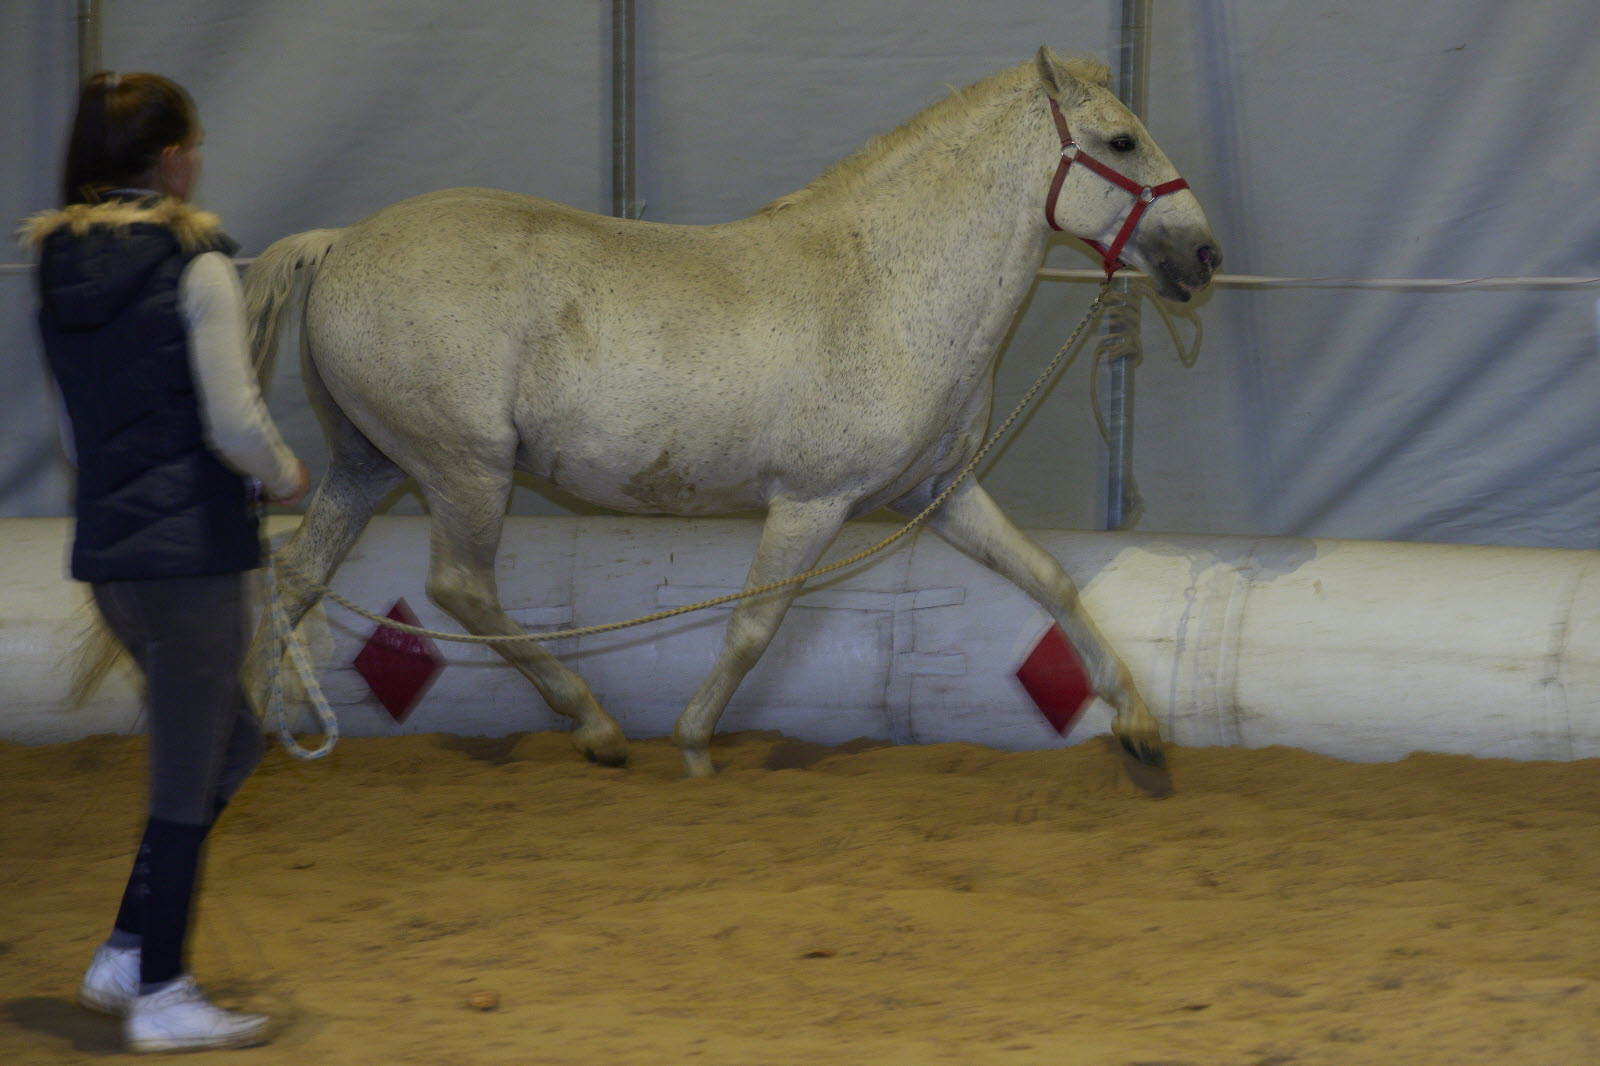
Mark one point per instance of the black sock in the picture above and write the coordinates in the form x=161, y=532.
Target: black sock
x=170, y=855
x=128, y=930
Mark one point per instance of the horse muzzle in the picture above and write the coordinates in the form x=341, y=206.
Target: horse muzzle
x=1181, y=267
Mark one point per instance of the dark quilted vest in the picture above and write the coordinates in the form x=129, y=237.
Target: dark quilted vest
x=153, y=500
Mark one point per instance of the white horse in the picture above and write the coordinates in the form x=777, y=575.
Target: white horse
x=832, y=354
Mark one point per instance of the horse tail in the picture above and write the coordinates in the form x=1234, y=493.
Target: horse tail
x=97, y=654
x=272, y=278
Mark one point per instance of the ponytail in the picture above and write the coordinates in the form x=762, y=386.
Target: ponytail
x=122, y=125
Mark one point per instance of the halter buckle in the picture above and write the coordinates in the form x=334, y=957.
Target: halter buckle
x=1069, y=150
x=1147, y=195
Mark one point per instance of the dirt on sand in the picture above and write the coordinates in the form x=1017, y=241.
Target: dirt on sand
x=450, y=901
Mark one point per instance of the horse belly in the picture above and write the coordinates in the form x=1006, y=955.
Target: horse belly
x=643, y=411
x=640, y=472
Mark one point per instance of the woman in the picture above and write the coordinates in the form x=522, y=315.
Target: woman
x=142, y=318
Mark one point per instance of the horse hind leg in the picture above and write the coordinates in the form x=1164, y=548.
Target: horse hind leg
x=466, y=537
x=358, y=478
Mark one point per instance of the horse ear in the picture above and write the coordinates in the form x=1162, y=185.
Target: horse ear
x=1059, y=83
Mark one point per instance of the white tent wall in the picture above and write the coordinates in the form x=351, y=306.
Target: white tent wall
x=1456, y=139
x=1326, y=138
x=38, y=63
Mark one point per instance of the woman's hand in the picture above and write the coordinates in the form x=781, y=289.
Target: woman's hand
x=302, y=485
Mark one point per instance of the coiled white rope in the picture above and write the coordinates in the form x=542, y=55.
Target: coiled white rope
x=285, y=639
x=1120, y=341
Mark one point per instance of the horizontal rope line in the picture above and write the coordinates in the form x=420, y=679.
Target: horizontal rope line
x=1255, y=281
x=1263, y=281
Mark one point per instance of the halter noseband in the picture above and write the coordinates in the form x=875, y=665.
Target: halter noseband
x=1143, y=195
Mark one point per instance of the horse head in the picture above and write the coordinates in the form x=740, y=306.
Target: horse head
x=1117, y=190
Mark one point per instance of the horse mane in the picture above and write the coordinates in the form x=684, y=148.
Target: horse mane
x=937, y=122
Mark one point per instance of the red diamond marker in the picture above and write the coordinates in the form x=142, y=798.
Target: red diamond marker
x=398, y=667
x=1055, y=678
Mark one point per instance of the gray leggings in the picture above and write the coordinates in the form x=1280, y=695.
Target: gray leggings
x=188, y=636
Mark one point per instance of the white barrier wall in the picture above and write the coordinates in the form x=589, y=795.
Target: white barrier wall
x=1360, y=650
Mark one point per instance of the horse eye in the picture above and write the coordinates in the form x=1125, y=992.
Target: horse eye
x=1123, y=143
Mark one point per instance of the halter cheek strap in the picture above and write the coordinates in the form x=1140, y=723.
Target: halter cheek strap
x=1143, y=195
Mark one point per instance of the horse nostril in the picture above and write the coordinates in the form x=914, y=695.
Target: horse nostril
x=1209, y=256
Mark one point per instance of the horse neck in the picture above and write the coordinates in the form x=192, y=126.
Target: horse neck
x=952, y=209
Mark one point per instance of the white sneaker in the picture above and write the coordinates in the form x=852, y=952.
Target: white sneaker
x=180, y=1018
x=112, y=980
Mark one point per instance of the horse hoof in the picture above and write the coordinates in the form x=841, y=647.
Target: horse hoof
x=606, y=758
x=1149, y=753
x=610, y=749
x=698, y=764
x=1146, y=767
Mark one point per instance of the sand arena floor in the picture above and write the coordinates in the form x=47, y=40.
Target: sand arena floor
x=851, y=905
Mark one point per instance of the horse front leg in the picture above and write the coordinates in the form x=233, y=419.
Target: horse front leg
x=972, y=521
x=793, y=539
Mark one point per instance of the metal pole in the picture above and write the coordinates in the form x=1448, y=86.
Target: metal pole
x=1123, y=332
x=88, y=39
x=624, y=200
x=1132, y=53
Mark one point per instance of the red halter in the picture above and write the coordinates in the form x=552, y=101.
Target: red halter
x=1143, y=195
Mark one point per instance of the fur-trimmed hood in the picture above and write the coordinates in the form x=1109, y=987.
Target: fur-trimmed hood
x=94, y=259
x=195, y=229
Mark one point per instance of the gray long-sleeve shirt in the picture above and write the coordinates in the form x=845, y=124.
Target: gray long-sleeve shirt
x=237, y=425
